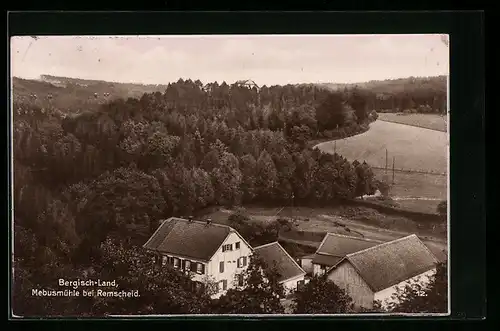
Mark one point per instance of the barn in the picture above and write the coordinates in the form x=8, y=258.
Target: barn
x=373, y=274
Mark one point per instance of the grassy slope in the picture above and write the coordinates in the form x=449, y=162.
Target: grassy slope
x=427, y=121
x=414, y=149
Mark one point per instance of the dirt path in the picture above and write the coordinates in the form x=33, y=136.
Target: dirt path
x=329, y=223
x=374, y=232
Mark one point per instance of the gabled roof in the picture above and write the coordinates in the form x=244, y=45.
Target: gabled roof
x=335, y=247
x=194, y=239
x=390, y=263
x=247, y=82
x=286, y=265
x=327, y=260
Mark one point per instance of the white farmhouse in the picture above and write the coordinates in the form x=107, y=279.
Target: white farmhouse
x=211, y=253
x=291, y=275
x=373, y=274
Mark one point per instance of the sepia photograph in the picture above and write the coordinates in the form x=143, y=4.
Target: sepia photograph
x=240, y=175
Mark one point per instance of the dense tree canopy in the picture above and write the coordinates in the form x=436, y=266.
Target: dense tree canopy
x=114, y=171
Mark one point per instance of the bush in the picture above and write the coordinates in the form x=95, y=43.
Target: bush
x=384, y=187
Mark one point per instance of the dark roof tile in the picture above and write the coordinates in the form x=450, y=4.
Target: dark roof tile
x=339, y=245
x=193, y=239
x=390, y=263
x=328, y=260
x=286, y=265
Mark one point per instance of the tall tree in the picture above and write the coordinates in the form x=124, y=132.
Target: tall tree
x=259, y=293
x=321, y=296
x=419, y=297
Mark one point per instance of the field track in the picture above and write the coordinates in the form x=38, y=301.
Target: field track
x=426, y=121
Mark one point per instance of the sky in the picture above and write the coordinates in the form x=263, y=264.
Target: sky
x=266, y=59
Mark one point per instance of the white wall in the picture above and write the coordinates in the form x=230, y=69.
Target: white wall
x=230, y=259
x=307, y=265
x=291, y=284
x=384, y=296
x=318, y=270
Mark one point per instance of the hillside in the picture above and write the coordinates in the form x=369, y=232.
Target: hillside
x=73, y=94
x=394, y=86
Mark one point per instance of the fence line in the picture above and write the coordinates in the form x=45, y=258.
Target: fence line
x=428, y=172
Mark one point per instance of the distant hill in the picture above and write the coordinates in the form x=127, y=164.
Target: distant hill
x=396, y=86
x=73, y=94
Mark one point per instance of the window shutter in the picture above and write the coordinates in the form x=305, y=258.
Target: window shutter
x=239, y=262
x=224, y=284
x=244, y=261
x=202, y=268
x=183, y=264
x=221, y=266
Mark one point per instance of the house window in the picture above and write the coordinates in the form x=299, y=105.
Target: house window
x=300, y=284
x=221, y=266
x=188, y=265
x=164, y=260
x=242, y=262
x=228, y=247
x=200, y=268
x=224, y=284
x=237, y=245
x=176, y=262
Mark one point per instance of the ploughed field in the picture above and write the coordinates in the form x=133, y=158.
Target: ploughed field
x=426, y=121
x=420, y=161
x=413, y=148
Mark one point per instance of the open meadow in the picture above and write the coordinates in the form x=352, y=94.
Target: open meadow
x=413, y=148
x=426, y=121
x=351, y=221
x=415, y=191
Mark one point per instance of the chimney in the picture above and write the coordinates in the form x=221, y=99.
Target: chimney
x=209, y=221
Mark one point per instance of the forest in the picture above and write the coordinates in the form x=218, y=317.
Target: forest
x=90, y=188
x=424, y=95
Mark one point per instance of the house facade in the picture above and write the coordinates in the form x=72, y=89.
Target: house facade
x=291, y=274
x=375, y=273
x=213, y=254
